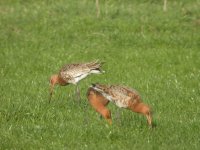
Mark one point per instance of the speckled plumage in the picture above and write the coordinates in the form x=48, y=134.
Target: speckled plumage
x=100, y=95
x=73, y=73
x=122, y=96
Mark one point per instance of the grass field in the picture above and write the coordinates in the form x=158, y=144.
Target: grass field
x=155, y=52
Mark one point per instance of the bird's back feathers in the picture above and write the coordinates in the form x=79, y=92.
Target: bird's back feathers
x=73, y=73
x=118, y=94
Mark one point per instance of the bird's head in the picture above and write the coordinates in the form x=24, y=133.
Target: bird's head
x=53, y=80
x=145, y=110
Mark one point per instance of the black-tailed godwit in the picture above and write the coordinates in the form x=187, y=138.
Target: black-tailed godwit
x=73, y=73
x=100, y=95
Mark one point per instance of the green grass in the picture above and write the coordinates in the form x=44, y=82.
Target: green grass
x=153, y=51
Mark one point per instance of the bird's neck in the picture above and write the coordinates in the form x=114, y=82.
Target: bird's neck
x=60, y=81
x=139, y=108
x=54, y=79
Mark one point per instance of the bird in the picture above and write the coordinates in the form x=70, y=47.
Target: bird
x=99, y=96
x=73, y=73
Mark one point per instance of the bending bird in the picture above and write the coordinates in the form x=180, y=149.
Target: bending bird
x=73, y=73
x=100, y=95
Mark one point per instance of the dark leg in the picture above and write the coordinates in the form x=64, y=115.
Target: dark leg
x=118, y=116
x=78, y=93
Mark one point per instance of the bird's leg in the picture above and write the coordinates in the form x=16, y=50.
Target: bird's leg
x=118, y=116
x=78, y=93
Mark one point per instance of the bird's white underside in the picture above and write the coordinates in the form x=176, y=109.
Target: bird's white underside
x=79, y=77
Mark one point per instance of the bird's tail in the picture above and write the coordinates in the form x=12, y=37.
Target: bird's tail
x=96, y=66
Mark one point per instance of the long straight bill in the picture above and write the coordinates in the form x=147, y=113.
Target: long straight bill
x=51, y=92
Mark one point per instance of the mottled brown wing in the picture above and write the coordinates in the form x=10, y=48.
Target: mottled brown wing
x=124, y=93
x=132, y=93
x=71, y=71
x=94, y=65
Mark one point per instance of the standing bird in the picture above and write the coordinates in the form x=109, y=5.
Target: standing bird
x=73, y=73
x=100, y=95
